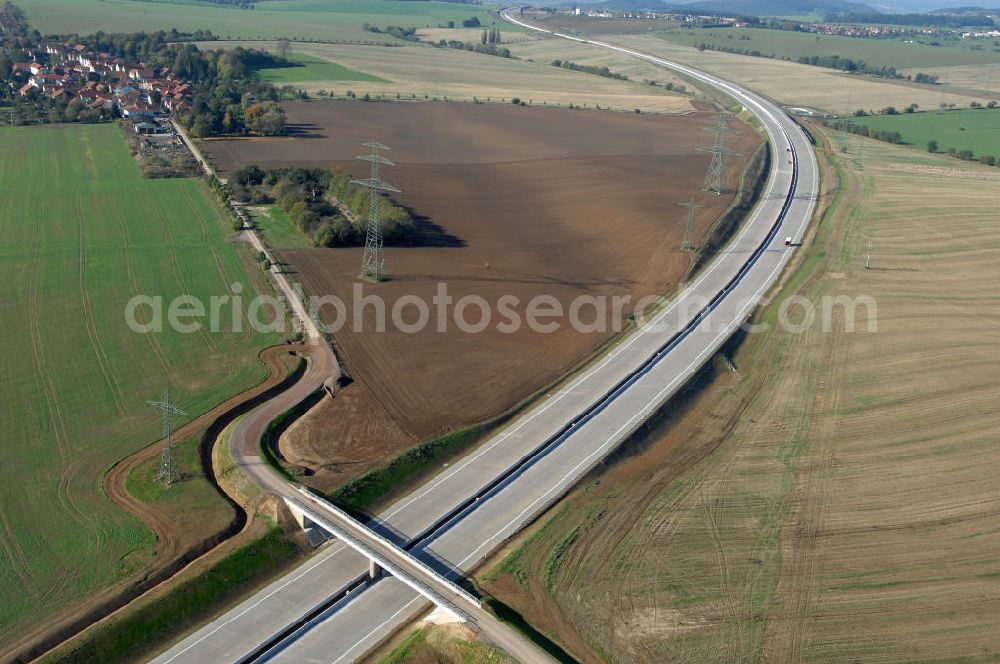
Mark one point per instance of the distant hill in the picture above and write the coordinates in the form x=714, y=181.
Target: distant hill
x=965, y=11
x=786, y=7
x=904, y=6
x=736, y=7
x=779, y=7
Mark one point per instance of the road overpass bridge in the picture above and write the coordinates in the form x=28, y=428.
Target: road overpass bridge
x=384, y=555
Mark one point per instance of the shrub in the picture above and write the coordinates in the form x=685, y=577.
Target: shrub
x=248, y=175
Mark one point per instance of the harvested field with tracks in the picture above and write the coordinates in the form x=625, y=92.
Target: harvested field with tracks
x=513, y=201
x=457, y=75
x=798, y=85
x=834, y=498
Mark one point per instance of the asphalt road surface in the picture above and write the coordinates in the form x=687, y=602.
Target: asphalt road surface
x=320, y=613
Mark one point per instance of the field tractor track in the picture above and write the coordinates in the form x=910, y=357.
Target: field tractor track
x=133, y=283
x=181, y=281
x=227, y=280
x=15, y=554
x=117, y=397
x=195, y=213
x=52, y=401
x=733, y=606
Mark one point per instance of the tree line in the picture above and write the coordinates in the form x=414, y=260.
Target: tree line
x=227, y=97
x=849, y=65
x=325, y=206
x=964, y=155
x=489, y=41
x=485, y=49
x=829, y=61
x=491, y=36
x=589, y=69
x=407, y=34
x=242, y=4
x=12, y=19
x=864, y=130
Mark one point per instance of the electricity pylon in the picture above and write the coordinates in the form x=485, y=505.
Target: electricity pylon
x=717, y=168
x=689, y=230
x=373, y=264
x=168, y=472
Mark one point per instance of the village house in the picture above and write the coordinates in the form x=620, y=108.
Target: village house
x=69, y=71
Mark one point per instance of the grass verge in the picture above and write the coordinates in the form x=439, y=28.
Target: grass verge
x=442, y=644
x=364, y=491
x=752, y=182
x=186, y=605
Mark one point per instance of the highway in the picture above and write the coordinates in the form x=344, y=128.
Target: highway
x=320, y=613
x=275, y=609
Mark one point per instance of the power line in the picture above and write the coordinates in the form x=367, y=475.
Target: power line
x=373, y=264
x=168, y=472
x=715, y=178
x=689, y=230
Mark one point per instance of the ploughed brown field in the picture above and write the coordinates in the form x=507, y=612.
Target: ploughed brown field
x=512, y=201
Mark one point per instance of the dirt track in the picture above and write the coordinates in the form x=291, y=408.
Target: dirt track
x=515, y=202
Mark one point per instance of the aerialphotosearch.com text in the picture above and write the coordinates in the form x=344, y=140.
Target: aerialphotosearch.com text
x=366, y=312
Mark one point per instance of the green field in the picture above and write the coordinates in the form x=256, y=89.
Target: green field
x=81, y=232
x=791, y=45
x=974, y=129
x=324, y=20
x=315, y=69
x=278, y=230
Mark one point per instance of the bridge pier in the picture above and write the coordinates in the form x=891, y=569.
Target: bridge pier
x=314, y=532
x=374, y=571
